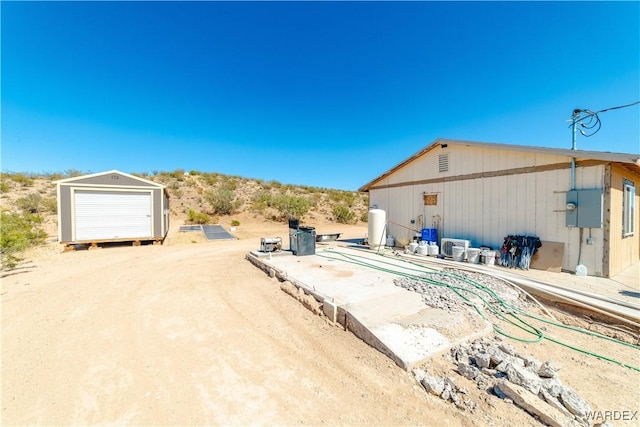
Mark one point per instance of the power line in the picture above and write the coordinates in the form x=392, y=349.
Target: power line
x=617, y=108
x=589, y=122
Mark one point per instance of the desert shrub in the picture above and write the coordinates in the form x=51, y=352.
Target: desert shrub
x=198, y=217
x=70, y=173
x=291, y=206
x=21, y=179
x=210, y=178
x=4, y=186
x=235, y=223
x=261, y=200
x=30, y=203
x=176, y=192
x=49, y=204
x=177, y=174
x=365, y=216
x=229, y=183
x=274, y=184
x=343, y=214
x=317, y=198
x=161, y=178
x=345, y=197
x=52, y=176
x=223, y=201
x=19, y=232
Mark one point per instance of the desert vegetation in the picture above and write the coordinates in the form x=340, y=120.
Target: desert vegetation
x=29, y=203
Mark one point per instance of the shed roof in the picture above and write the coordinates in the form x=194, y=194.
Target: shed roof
x=81, y=178
x=630, y=160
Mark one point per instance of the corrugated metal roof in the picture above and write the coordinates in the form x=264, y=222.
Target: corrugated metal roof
x=625, y=158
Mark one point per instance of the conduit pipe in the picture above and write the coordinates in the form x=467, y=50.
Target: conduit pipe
x=574, y=120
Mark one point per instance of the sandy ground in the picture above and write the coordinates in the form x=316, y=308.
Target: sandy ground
x=193, y=334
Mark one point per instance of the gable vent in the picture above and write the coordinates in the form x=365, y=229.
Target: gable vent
x=443, y=162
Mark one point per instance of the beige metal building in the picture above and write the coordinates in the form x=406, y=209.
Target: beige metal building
x=483, y=192
x=111, y=206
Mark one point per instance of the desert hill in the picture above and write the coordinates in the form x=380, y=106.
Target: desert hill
x=29, y=205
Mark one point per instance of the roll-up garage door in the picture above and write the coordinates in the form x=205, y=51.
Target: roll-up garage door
x=103, y=215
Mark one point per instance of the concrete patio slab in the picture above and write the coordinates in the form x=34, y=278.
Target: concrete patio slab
x=366, y=301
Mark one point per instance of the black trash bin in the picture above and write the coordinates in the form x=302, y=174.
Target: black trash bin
x=302, y=239
x=306, y=241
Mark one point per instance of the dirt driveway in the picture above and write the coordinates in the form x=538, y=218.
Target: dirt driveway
x=193, y=334
x=184, y=334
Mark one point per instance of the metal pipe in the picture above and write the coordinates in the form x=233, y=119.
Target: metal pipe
x=574, y=120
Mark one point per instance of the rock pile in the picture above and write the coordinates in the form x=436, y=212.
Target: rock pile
x=446, y=389
x=495, y=366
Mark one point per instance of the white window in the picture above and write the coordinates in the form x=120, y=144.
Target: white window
x=628, y=208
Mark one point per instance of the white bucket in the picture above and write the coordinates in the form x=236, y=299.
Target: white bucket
x=457, y=253
x=473, y=255
x=423, y=249
x=489, y=257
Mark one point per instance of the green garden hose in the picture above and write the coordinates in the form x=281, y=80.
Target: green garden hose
x=421, y=274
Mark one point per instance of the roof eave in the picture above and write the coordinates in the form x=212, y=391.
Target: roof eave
x=624, y=158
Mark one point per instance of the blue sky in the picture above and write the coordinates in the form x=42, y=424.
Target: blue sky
x=328, y=94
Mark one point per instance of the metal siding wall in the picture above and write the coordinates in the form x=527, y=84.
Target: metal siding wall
x=391, y=205
x=166, y=214
x=65, y=216
x=403, y=175
x=530, y=217
x=157, y=213
x=484, y=210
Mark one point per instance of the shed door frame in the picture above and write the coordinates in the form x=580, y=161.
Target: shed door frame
x=127, y=235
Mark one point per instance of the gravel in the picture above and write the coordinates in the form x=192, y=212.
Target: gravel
x=445, y=290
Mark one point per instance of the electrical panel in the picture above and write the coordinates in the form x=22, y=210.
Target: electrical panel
x=584, y=208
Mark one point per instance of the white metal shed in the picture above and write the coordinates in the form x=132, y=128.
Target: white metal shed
x=111, y=206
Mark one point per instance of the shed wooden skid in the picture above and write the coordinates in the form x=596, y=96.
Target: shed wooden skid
x=111, y=206
x=485, y=191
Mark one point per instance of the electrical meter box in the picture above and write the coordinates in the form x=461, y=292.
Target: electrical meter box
x=584, y=208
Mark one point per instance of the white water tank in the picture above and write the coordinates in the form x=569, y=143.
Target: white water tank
x=377, y=228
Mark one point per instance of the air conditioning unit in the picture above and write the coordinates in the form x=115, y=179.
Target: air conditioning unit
x=446, y=246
